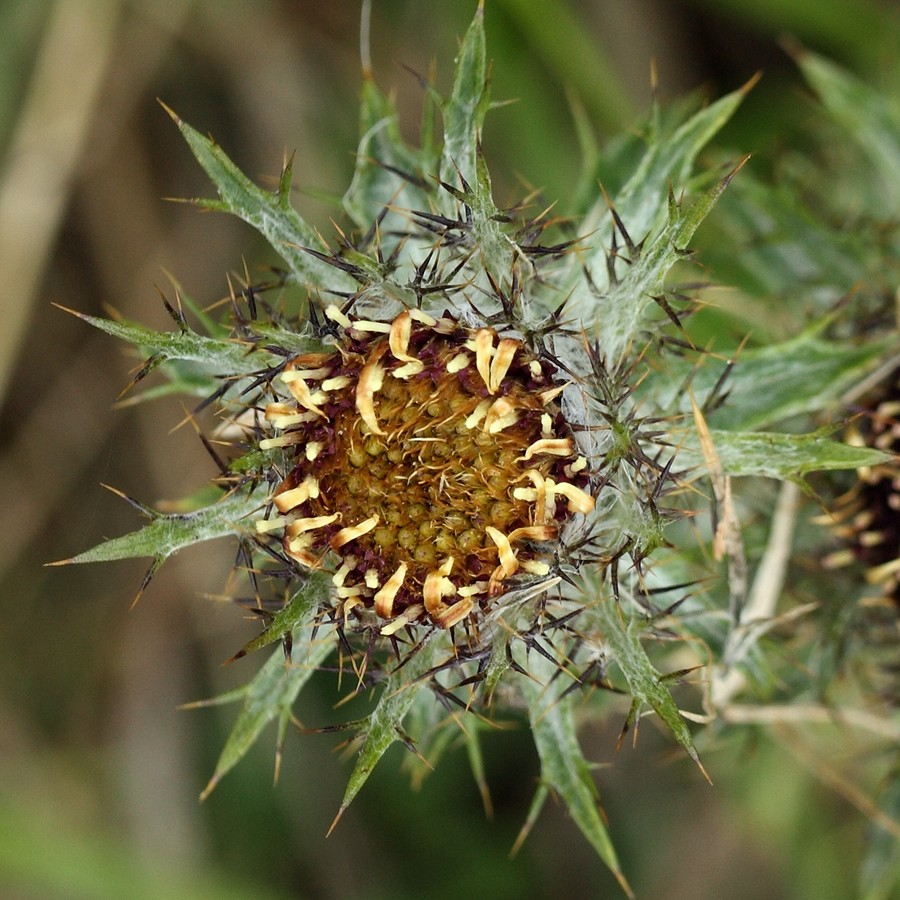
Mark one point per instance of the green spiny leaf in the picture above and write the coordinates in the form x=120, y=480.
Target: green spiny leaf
x=382, y=727
x=787, y=457
x=563, y=766
x=312, y=595
x=165, y=535
x=622, y=310
x=465, y=108
x=218, y=355
x=269, y=696
x=270, y=214
x=666, y=165
x=770, y=384
x=621, y=634
x=381, y=149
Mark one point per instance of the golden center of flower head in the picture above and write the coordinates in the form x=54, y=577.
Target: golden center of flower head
x=431, y=458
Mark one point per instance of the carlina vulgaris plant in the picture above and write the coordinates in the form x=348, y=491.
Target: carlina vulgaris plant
x=456, y=438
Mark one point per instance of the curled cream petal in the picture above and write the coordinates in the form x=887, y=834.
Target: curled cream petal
x=302, y=394
x=371, y=579
x=423, y=317
x=351, y=532
x=501, y=415
x=312, y=523
x=533, y=533
x=503, y=357
x=508, y=561
x=579, y=500
x=370, y=326
x=371, y=378
x=551, y=447
x=438, y=585
x=333, y=312
x=346, y=568
x=283, y=440
x=400, y=330
x=384, y=598
x=459, y=362
x=551, y=394
x=288, y=500
x=478, y=414
x=410, y=614
x=337, y=383
x=534, y=567
x=484, y=350
x=263, y=526
x=448, y=616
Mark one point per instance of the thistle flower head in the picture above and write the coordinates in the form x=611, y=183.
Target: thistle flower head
x=868, y=515
x=432, y=459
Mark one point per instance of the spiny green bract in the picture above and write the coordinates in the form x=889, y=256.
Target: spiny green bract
x=585, y=599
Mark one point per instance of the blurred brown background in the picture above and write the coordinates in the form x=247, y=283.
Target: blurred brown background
x=99, y=770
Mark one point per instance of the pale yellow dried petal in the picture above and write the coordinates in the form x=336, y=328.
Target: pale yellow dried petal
x=508, y=561
x=352, y=532
x=333, y=312
x=264, y=526
x=410, y=614
x=312, y=523
x=408, y=369
x=437, y=586
x=339, y=382
x=449, y=616
x=400, y=330
x=283, y=440
x=502, y=414
x=533, y=533
x=423, y=317
x=384, y=598
x=478, y=414
x=302, y=394
x=484, y=350
x=347, y=566
x=371, y=327
x=371, y=378
x=503, y=357
x=551, y=394
x=579, y=500
x=459, y=362
x=288, y=500
x=550, y=447
x=371, y=579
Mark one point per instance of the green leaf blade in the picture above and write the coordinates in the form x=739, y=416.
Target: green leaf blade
x=621, y=633
x=382, y=727
x=785, y=457
x=563, y=766
x=268, y=213
x=465, y=108
x=165, y=535
x=270, y=696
